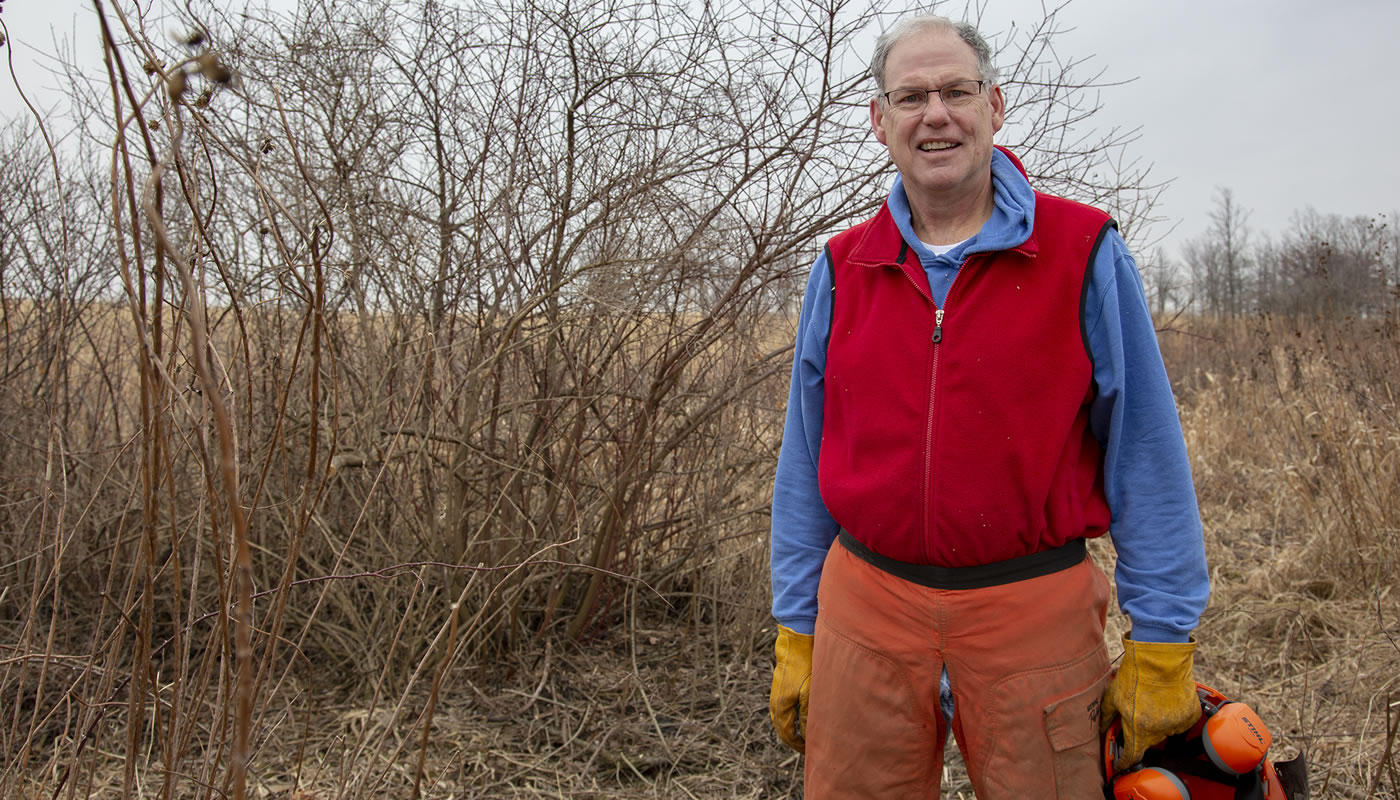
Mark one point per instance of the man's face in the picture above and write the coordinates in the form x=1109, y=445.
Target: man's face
x=942, y=155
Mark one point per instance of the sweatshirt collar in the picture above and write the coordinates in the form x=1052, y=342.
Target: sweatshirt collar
x=1009, y=228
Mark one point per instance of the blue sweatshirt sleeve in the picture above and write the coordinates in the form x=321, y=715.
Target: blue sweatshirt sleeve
x=803, y=529
x=1162, y=580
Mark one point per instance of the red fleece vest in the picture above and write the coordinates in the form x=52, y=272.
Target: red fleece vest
x=966, y=442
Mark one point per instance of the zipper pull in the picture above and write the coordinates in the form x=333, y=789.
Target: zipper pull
x=938, y=326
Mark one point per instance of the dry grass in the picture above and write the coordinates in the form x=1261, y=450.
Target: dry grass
x=1292, y=431
x=663, y=713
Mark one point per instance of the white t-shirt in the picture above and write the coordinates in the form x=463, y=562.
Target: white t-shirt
x=940, y=249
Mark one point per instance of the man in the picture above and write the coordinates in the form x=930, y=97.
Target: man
x=976, y=390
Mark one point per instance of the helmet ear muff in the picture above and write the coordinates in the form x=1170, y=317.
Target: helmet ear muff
x=1235, y=739
x=1225, y=754
x=1149, y=783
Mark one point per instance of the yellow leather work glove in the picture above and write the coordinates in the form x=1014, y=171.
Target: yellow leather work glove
x=1155, y=695
x=792, y=675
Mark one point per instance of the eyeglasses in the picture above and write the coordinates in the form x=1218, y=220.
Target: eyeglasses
x=953, y=95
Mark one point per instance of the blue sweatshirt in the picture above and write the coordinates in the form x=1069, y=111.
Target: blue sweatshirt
x=1161, y=575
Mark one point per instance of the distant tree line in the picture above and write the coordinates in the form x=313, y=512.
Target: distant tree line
x=1324, y=264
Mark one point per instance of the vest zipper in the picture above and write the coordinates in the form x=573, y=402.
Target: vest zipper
x=926, y=290
x=928, y=435
x=936, y=340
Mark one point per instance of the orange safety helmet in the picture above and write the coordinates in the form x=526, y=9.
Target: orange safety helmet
x=1224, y=756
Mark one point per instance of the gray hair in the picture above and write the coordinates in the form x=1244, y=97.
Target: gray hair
x=911, y=25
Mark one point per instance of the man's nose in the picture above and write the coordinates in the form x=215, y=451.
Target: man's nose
x=935, y=113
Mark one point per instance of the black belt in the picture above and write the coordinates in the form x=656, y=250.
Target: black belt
x=1021, y=568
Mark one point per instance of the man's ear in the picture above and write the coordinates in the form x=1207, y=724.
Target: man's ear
x=998, y=101
x=877, y=120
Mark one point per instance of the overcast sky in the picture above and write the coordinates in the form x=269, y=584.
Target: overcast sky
x=1288, y=103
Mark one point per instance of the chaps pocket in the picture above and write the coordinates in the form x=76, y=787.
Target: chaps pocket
x=1072, y=726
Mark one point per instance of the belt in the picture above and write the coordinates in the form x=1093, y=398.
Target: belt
x=1020, y=568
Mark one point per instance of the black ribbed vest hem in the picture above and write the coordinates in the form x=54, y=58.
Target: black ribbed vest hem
x=1022, y=568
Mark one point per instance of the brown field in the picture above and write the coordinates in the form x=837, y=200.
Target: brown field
x=1291, y=424
x=1294, y=433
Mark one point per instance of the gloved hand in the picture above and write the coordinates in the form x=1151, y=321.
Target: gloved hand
x=792, y=676
x=1155, y=695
